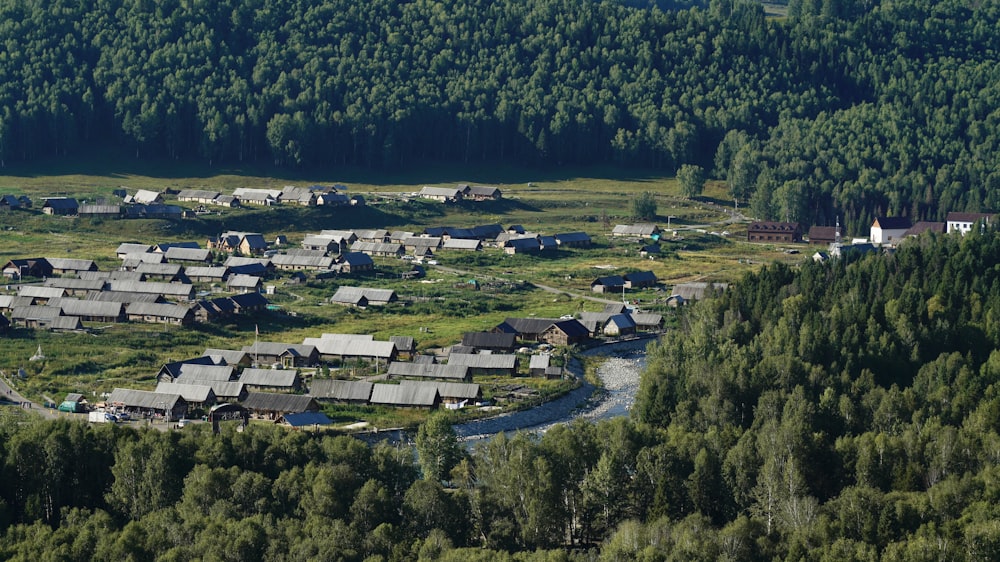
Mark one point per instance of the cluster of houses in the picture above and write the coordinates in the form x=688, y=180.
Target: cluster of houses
x=378, y=242
x=150, y=204
x=463, y=192
x=885, y=231
x=409, y=380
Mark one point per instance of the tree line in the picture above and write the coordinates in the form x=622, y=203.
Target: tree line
x=839, y=411
x=844, y=109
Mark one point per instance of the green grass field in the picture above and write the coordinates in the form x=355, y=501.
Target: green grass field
x=438, y=309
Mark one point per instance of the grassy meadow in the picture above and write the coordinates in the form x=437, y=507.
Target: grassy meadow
x=437, y=309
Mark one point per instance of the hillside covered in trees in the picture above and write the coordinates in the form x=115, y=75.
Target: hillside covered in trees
x=839, y=411
x=846, y=108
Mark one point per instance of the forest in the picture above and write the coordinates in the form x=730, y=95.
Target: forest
x=844, y=109
x=846, y=410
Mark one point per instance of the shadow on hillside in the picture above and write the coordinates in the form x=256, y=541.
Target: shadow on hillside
x=122, y=164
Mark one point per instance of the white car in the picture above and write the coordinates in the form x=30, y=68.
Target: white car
x=432, y=262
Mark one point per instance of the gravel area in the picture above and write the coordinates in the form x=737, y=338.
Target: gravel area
x=620, y=378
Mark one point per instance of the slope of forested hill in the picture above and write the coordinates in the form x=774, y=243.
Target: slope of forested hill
x=839, y=411
x=845, y=108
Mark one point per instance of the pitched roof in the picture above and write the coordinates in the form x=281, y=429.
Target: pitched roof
x=640, y=229
x=297, y=260
x=124, y=296
x=164, y=310
x=275, y=402
x=925, y=226
x=641, y=277
x=428, y=370
x=75, y=284
x=70, y=264
x=353, y=294
x=196, y=393
x=488, y=339
x=249, y=300
x=403, y=343
x=286, y=378
x=571, y=237
x=892, y=223
x=231, y=356
x=540, y=361
x=145, y=399
x=132, y=248
x=772, y=226
x=526, y=325
x=968, y=217
x=484, y=360
x=353, y=347
x=303, y=419
x=460, y=390
x=175, y=253
x=183, y=290
x=40, y=292
x=359, y=391
x=398, y=395
x=572, y=328
x=91, y=308
x=279, y=348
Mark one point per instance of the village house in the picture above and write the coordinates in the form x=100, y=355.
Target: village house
x=769, y=231
x=65, y=206
x=608, y=284
x=640, y=230
x=363, y=296
x=159, y=313
x=70, y=266
x=640, y=279
x=284, y=354
x=963, y=222
x=74, y=287
x=488, y=364
x=341, y=392
x=356, y=262
x=454, y=395
x=565, y=332
x=99, y=211
x=143, y=403
x=276, y=380
x=888, y=231
x=574, y=240
x=489, y=341
x=405, y=396
x=300, y=262
x=428, y=371
x=481, y=192
x=824, y=235
x=443, y=194
x=925, y=226
x=197, y=396
x=271, y=406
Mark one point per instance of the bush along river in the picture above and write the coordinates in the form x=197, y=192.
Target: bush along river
x=619, y=376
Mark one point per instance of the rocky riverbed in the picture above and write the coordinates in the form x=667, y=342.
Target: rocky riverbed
x=620, y=380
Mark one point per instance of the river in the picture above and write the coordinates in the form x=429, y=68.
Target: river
x=620, y=380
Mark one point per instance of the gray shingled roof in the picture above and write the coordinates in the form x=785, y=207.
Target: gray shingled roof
x=294, y=260
x=105, y=309
x=460, y=390
x=75, y=284
x=196, y=393
x=39, y=292
x=283, y=378
x=183, y=290
x=166, y=310
x=126, y=248
x=273, y=402
x=191, y=372
x=353, y=294
x=352, y=347
x=540, y=361
x=144, y=399
x=187, y=254
x=428, y=370
x=484, y=360
x=231, y=356
x=411, y=395
x=355, y=391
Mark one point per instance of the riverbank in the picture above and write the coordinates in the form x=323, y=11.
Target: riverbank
x=619, y=377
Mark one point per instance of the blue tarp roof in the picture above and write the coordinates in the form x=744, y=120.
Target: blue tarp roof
x=306, y=418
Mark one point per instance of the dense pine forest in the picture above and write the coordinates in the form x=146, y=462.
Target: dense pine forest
x=839, y=411
x=848, y=108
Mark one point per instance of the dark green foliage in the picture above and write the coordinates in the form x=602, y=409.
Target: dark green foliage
x=846, y=109
x=644, y=206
